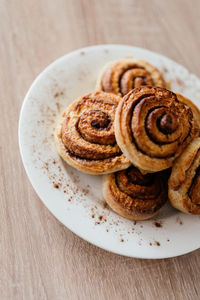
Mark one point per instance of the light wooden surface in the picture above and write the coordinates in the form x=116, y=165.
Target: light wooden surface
x=39, y=257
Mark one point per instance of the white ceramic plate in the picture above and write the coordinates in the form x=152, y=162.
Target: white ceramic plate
x=75, y=198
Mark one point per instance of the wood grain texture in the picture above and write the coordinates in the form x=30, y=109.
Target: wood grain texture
x=39, y=257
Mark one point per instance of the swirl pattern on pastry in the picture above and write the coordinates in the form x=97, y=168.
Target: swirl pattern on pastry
x=124, y=75
x=133, y=195
x=184, y=182
x=85, y=135
x=152, y=127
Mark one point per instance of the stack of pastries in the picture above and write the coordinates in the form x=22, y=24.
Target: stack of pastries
x=144, y=137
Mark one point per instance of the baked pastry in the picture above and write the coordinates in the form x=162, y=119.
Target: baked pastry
x=121, y=76
x=133, y=195
x=85, y=135
x=152, y=127
x=188, y=102
x=184, y=182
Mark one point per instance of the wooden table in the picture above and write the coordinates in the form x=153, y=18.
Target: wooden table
x=39, y=257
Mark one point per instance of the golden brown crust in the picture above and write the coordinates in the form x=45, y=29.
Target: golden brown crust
x=85, y=135
x=188, y=102
x=121, y=76
x=152, y=127
x=133, y=195
x=184, y=182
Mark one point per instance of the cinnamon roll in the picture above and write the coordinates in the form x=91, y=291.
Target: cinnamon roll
x=194, y=108
x=133, y=195
x=85, y=135
x=184, y=182
x=152, y=127
x=122, y=76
